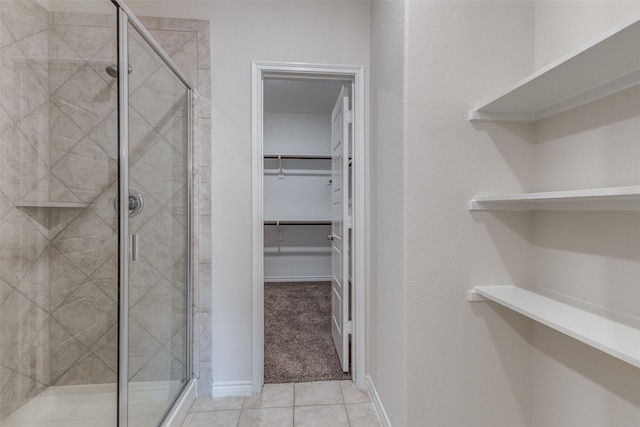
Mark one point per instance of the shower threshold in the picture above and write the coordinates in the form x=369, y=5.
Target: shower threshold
x=95, y=405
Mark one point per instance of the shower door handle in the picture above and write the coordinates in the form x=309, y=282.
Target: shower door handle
x=134, y=247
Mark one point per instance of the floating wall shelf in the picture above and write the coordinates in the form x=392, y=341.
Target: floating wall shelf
x=603, y=67
x=610, y=199
x=302, y=222
x=620, y=339
x=298, y=156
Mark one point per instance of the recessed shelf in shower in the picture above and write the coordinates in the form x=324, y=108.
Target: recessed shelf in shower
x=51, y=205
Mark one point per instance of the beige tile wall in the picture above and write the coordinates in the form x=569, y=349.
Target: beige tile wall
x=58, y=143
x=26, y=351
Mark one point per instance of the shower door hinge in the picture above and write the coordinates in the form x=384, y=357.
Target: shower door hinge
x=348, y=116
x=349, y=221
x=349, y=327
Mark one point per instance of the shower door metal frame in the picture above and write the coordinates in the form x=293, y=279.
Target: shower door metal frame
x=125, y=17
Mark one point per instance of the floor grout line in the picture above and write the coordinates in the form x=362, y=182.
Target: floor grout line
x=269, y=411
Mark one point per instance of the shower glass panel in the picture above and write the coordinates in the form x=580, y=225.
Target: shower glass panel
x=58, y=224
x=158, y=165
x=93, y=328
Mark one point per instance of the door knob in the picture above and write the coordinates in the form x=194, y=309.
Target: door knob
x=330, y=236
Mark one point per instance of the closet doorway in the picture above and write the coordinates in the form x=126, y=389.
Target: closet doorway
x=308, y=223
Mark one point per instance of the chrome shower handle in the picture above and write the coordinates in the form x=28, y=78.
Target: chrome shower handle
x=134, y=247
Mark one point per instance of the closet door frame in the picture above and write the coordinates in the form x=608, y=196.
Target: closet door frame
x=354, y=74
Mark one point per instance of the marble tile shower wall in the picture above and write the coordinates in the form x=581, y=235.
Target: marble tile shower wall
x=58, y=148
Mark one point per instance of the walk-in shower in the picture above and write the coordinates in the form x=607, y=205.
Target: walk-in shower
x=95, y=219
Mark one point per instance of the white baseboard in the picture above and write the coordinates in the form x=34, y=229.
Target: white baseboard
x=299, y=279
x=231, y=388
x=377, y=403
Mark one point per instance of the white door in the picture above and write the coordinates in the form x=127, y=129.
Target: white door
x=339, y=227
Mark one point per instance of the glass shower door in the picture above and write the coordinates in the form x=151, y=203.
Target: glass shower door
x=159, y=187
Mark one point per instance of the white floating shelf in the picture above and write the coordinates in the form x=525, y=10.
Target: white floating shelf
x=298, y=156
x=51, y=205
x=298, y=222
x=607, y=65
x=612, y=336
x=609, y=199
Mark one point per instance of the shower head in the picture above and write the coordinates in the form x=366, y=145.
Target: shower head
x=112, y=70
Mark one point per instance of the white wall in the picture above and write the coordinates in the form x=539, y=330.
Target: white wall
x=297, y=133
x=386, y=341
x=465, y=360
x=563, y=26
x=590, y=255
x=436, y=359
x=302, y=192
x=243, y=31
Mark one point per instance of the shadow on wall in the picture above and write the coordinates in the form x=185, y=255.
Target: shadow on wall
x=516, y=144
x=502, y=322
x=509, y=230
x=563, y=365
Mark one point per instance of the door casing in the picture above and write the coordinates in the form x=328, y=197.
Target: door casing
x=354, y=74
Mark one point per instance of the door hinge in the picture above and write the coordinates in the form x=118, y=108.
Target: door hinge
x=348, y=116
x=349, y=327
x=349, y=221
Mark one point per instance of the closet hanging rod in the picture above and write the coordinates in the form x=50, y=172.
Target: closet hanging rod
x=297, y=156
x=297, y=223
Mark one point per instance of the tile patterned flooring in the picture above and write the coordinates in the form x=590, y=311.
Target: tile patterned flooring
x=316, y=404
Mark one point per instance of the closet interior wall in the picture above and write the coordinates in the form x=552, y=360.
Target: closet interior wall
x=297, y=190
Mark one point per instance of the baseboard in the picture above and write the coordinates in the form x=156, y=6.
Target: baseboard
x=377, y=403
x=231, y=388
x=298, y=279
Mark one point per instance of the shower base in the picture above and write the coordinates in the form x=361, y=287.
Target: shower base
x=95, y=405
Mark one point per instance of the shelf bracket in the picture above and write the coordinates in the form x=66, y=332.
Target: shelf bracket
x=474, y=296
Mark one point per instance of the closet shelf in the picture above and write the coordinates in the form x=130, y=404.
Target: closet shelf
x=608, y=199
x=605, y=66
x=301, y=222
x=298, y=156
x=51, y=205
x=600, y=329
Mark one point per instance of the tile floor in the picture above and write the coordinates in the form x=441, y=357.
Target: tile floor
x=316, y=404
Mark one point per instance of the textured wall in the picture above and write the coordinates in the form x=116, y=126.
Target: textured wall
x=386, y=303
x=457, y=351
x=593, y=256
x=454, y=363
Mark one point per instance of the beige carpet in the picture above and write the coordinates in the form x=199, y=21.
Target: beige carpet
x=298, y=344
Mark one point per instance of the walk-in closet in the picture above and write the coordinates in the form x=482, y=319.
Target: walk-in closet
x=302, y=191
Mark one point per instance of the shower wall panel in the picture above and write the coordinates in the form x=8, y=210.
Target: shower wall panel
x=58, y=224
x=25, y=314
x=57, y=241
x=84, y=253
